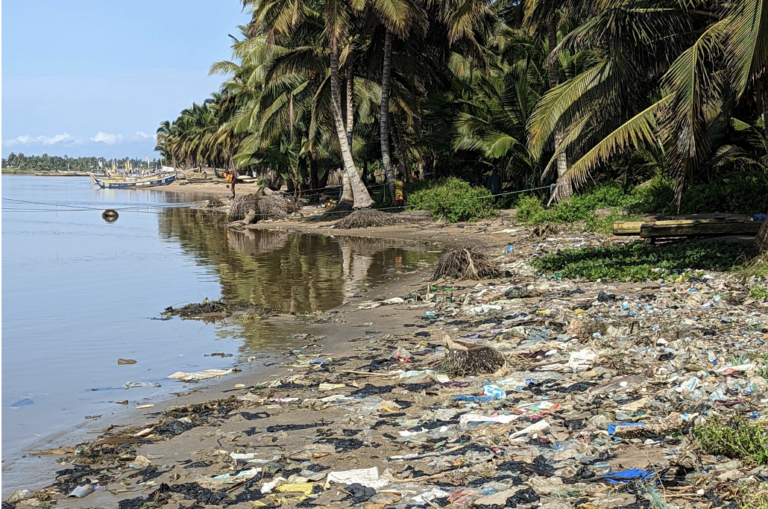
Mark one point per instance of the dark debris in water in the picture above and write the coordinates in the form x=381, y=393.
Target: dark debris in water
x=213, y=310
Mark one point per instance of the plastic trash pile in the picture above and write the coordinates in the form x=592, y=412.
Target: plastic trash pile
x=595, y=407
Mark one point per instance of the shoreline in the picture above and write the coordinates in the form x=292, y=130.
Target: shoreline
x=28, y=458
x=44, y=465
x=579, y=357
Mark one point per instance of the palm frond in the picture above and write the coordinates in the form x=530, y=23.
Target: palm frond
x=746, y=41
x=637, y=132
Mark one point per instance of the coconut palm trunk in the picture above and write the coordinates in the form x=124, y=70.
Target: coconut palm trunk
x=564, y=190
x=761, y=240
x=346, y=192
x=399, y=142
x=384, y=118
x=350, y=101
x=361, y=197
x=346, y=189
x=314, y=178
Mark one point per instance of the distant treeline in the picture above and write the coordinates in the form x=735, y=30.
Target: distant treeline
x=57, y=163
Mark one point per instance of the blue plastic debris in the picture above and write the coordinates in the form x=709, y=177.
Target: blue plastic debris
x=473, y=399
x=612, y=427
x=627, y=475
x=494, y=391
x=758, y=217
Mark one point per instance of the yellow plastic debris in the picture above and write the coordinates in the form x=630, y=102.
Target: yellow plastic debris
x=297, y=487
x=577, y=311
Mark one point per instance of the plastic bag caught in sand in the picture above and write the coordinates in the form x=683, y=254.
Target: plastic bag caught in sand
x=582, y=360
x=365, y=476
x=200, y=375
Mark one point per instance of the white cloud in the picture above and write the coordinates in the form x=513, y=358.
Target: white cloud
x=109, y=139
x=64, y=138
x=140, y=137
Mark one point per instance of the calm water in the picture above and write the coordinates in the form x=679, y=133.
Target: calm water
x=78, y=293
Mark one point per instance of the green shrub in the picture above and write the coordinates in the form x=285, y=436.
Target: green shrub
x=758, y=292
x=530, y=209
x=638, y=261
x=741, y=194
x=451, y=199
x=605, y=224
x=737, y=439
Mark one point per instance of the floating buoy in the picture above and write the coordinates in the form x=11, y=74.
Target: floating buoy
x=110, y=215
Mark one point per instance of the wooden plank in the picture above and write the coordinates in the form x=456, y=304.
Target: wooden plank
x=683, y=227
x=623, y=228
x=691, y=228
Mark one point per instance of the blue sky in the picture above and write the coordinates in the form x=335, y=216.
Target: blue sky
x=96, y=77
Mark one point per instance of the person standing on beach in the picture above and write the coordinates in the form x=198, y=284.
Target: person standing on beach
x=399, y=186
x=232, y=179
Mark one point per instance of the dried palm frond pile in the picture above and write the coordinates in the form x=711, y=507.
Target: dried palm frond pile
x=240, y=205
x=276, y=206
x=342, y=206
x=465, y=263
x=541, y=231
x=467, y=359
x=364, y=218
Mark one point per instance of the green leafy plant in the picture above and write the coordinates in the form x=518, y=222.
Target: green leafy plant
x=605, y=224
x=452, y=199
x=758, y=292
x=638, y=261
x=736, y=439
x=530, y=209
x=738, y=194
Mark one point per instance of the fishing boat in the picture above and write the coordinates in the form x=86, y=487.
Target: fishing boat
x=149, y=181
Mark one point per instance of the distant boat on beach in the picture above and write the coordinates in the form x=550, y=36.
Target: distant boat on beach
x=131, y=182
x=61, y=174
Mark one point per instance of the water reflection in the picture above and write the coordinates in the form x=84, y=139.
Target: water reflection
x=291, y=272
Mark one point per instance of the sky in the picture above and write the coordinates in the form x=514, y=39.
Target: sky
x=96, y=77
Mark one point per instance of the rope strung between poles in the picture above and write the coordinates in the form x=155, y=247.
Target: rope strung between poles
x=550, y=187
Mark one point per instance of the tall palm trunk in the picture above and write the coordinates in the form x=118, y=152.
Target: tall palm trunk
x=350, y=100
x=346, y=189
x=761, y=240
x=399, y=142
x=384, y=118
x=564, y=190
x=314, y=180
x=361, y=197
x=346, y=192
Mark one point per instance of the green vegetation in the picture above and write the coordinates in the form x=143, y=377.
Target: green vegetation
x=638, y=261
x=740, y=194
x=531, y=91
x=736, y=439
x=758, y=292
x=752, y=495
x=452, y=199
x=55, y=163
x=735, y=194
x=581, y=207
